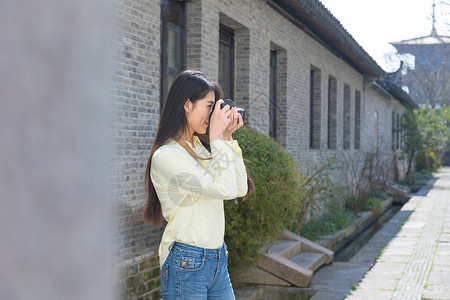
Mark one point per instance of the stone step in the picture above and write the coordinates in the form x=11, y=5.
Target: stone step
x=308, y=246
x=285, y=269
x=250, y=292
x=255, y=275
x=286, y=248
x=309, y=260
x=291, y=260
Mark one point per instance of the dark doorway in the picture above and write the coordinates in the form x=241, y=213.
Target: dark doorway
x=446, y=159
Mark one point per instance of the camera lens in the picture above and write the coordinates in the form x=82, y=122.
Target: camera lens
x=241, y=111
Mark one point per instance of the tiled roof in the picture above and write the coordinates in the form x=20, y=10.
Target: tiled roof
x=397, y=92
x=317, y=21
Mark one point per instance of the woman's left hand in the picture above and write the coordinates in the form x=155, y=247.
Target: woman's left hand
x=234, y=124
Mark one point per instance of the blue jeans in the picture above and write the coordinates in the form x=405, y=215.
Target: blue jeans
x=191, y=272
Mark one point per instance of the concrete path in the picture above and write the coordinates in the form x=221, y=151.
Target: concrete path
x=416, y=262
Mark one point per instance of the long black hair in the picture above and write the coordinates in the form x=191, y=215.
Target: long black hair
x=191, y=85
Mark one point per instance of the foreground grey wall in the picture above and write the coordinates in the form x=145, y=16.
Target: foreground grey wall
x=54, y=152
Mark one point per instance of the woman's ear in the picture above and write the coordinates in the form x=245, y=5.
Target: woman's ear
x=188, y=105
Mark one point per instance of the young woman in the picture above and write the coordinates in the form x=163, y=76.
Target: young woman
x=186, y=185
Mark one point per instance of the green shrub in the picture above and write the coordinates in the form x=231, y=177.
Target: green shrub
x=420, y=161
x=380, y=193
x=373, y=204
x=357, y=204
x=275, y=203
x=327, y=224
x=420, y=178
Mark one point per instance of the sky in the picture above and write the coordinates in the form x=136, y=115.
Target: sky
x=374, y=24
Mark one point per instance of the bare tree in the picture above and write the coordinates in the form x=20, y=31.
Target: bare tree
x=428, y=77
x=431, y=83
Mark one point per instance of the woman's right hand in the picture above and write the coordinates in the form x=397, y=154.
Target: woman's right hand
x=220, y=119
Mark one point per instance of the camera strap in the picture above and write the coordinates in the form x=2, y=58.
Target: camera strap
x=189, y=149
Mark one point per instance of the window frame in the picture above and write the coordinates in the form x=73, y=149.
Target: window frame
x=273, y=90
x=174, y=12
x=226, y=38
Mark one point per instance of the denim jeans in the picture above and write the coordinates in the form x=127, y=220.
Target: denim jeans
x=195, y=273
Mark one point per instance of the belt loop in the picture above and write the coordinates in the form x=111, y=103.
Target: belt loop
x=171, y=246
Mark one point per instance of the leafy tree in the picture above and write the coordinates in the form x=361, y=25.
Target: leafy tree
x=444, y=116
x=427, y=134
x=433, y=130
x=413, y=139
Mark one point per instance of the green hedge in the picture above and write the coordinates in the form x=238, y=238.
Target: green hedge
x=275, y=203
x=365, y=203
x=327, y=224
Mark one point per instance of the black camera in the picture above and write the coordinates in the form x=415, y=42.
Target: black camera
x=230, y=102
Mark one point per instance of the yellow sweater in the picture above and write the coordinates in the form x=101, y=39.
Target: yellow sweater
x=192, y=191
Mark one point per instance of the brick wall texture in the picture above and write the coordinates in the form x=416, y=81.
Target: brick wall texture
x=258, y=30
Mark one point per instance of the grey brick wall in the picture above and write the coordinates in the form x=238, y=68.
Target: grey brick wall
x=139, y=277
x=136, y=106
x=376, y=103
x=136, y=99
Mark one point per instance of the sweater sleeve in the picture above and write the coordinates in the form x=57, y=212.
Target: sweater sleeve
x=178, y=172
x=241, y=173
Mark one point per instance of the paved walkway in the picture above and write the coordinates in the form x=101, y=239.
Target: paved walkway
x=416, y=262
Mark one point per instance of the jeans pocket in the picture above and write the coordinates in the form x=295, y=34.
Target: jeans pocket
x=164, y=276
x=190, y=262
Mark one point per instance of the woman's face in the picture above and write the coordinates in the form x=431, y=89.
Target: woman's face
x=198, y=113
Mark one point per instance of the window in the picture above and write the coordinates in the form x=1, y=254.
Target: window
x=173, y=43
x=278, y=93
x=273, y=95
x=332, y=110
x=402, y=136
x=346, y=117
x=357, y=120
x=376, y=131
x=393, y=130
x=226, y=61
x=398, y=131
x=314, y=109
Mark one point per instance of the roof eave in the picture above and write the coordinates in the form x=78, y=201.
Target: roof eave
x=381, y=91
x=396, y=92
